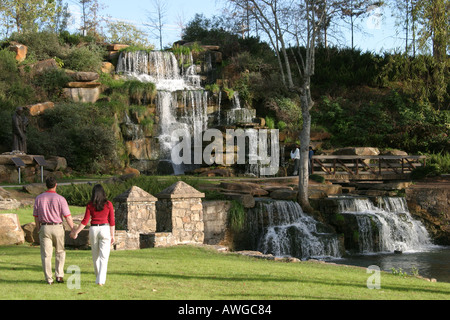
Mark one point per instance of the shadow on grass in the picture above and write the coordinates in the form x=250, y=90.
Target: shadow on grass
x=244, y=278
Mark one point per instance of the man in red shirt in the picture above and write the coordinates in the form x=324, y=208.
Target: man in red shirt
x=49, y=210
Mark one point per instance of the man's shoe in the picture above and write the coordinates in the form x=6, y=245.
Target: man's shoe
x=59, y=280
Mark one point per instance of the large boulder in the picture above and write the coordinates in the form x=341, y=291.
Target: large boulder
x=31, y=233
x=39, y=67
x=284, y=194
x=85, y=95
x=39, y=108
x=34, y=188
x=10, y=231
x=20, y=50
x=56, y=163
x=82, y=241
x=9, y=204
x=82, y=76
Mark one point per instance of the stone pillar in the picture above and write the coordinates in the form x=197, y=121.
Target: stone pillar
x=135, y=213
x=180, y=212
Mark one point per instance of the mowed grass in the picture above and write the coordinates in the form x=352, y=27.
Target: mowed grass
x=202, y=273
x=25, y=214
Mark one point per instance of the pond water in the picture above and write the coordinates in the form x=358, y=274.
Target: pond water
x=432, y=263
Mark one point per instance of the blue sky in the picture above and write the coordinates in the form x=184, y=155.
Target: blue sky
x=378, y=32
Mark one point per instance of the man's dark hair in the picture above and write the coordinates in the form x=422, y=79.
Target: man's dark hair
x=50, y=182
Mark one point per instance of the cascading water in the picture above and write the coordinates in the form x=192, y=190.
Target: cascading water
x=282, y=228
x=161, y=68
x=385, y=227
x=238, y=114
x=181, y=101
x=182, y=105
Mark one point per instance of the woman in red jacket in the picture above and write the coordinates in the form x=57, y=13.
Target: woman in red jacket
x=100, y=212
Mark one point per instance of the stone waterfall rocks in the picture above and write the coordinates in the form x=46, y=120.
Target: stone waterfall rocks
x=84, y=87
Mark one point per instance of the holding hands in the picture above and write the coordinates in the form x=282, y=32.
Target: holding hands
x=74, y=233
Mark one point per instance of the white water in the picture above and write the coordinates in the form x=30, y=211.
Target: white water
x=397, y=230
x=181, y=101
x=161, y=68
x=183, y=104
x=238, y=114
x=283, y=229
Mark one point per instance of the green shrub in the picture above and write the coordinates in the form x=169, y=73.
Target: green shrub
x=41, y=45
x=270, y=122
x=432, y=170
x=87, y=58
x=281, y=125
x=79, y=195
x=236, y=216
x=52, y=82
x=78, y=133
x=140, y=92
x=317, y=178
x=14, y=91
x=442, y=160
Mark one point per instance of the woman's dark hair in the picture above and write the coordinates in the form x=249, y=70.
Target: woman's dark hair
x=98, y=198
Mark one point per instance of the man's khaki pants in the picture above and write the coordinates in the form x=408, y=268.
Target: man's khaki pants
x=52, y=236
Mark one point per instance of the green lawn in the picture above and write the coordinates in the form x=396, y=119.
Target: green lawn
x=26, y=214
x=198, y=273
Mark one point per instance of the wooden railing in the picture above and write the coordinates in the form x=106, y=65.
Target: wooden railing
x=376, y=165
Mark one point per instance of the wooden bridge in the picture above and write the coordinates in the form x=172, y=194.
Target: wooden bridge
x=343, y=168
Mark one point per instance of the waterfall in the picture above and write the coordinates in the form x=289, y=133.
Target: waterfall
x=181, y=101
x=237, y=114
x=161, y=68
x=182, y=105
x=282, y=228
x=387, y=226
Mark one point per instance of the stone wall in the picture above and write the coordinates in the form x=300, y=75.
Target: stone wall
x=180, y=211
x=215, y=216
x=135, y=215
x=177, y=217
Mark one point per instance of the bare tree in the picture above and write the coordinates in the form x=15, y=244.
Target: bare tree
x=91, y=18
x=406, y=16
x=309, y=23
x=353, y=10
x=157, y=20
x=270, y=14
x=300, y=20
x=181, y=22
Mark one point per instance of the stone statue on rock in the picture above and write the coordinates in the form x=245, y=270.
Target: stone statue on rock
x=19, y=128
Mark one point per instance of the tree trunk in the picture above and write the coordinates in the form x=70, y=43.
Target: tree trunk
x=305, y=138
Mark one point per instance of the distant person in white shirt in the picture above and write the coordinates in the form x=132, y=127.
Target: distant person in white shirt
x=295, y=155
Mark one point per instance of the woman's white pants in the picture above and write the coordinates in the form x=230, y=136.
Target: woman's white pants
x=100, y=238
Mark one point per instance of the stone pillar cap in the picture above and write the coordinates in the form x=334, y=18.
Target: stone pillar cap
x=180, y=190
x=135, y=194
